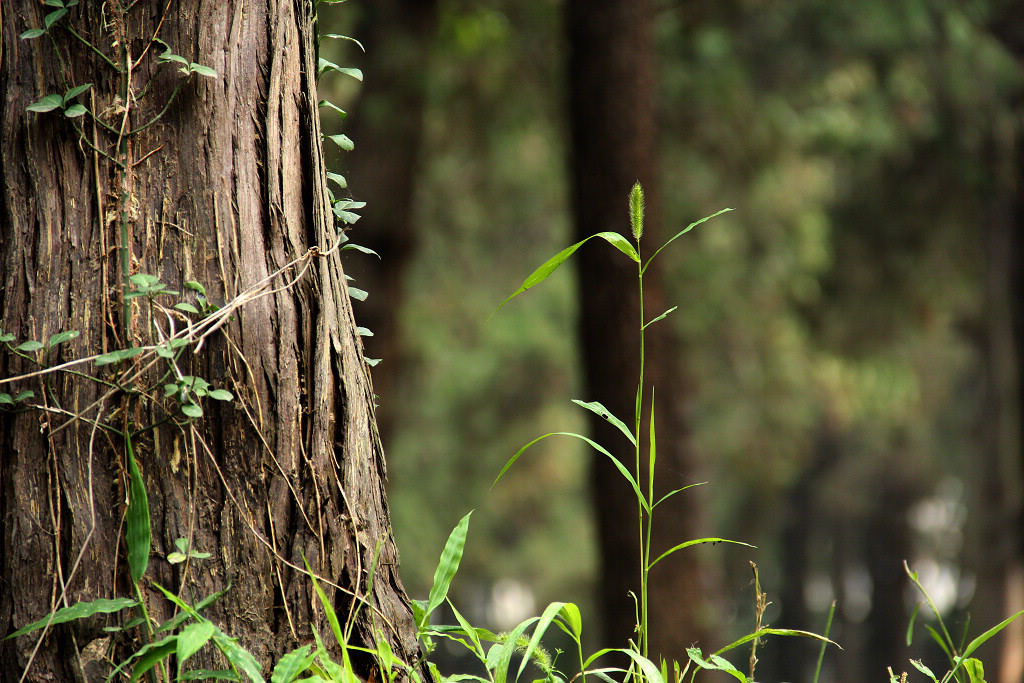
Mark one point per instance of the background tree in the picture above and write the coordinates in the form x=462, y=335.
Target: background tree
x=162, y=170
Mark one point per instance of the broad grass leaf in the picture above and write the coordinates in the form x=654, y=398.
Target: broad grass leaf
x=239, y=657
x=761, y=633
x=696, y=541
x=980, y=640
x=332, y=616
x=191, y=639
x=682, y=232
x=545, y=269
x=152, y=654
x=79, y=610
x=572, y=619
x=546, y=617
x=920, y=666
x=137, y=530
x=600, y=449
x=448, y=565
x=714, y=663
x=598, y=409
x=500, y=656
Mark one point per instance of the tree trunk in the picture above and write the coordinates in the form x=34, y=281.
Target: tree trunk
x=217, y=179
x=611, y=113
x=398, y=35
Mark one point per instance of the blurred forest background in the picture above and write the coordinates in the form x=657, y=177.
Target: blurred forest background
x=844, y=368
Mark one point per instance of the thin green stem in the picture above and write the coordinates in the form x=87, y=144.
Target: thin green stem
x=645, y=533
x=92, y=47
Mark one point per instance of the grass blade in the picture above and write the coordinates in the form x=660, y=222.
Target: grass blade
x=545, y=269
x=137, y=530
x=696, y=541
x=448, y=565
x=598, y=409
x=682, y=232
x=549, y=614
x=79, y=610
x=600, y=449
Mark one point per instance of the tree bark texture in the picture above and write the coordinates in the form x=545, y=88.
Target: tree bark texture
x=611, y=113
x=219, y=180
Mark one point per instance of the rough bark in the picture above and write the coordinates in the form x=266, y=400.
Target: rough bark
x=611, y=114
x=226, y=187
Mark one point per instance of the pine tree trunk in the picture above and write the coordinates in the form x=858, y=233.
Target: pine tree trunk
x=216, y=179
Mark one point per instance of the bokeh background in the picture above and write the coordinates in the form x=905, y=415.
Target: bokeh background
x=844, y=367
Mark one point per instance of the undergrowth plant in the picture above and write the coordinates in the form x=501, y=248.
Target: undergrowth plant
x=525, y=639
x=963, y=667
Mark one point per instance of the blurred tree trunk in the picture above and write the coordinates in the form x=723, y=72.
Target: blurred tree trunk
x=611, y=115
x=1000, y=551
x=388, y=125
x=226, y=188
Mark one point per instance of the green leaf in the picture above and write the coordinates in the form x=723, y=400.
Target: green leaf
x=5, y=399
x=53, y=3
x=221, y=395
x=29, y=346
x=360, y=248
x=152, y=654
x=241, y=658
x=6, y=337
x=620, y=243
x=358, y=294
x=682, y=232
x=79, y=610
x=76, y=91
x=74, y=111
x=343, y=141
x=615, y=461
x=202, y=70
x=32, y=33
x=346, y=217
x=546, y=617
x=137, y=530
x=118, y=356
x=48, y=103
x=338, y=179
x=332, y=616
x=54, y=17
x=364, y=332
x=598, y=409
x=696, y=541
x=549, y=266
x=191, y=639
x=447, y=566
x=186, y=307
x=975, y=670
x=28, y=393
x=326, y=65
x=61, y=337
x=372, y=362
x=338, y=36
x=660, y=317
x=920, y=666
x=714, y=663
x=292, y=664
x=570, y=614
x=168, y=56
x=195, y=287
x=331, y=105
x=980, y=640
x=191, y=410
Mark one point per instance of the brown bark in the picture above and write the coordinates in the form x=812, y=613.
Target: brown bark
x=226, y=187
x=611, y=112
